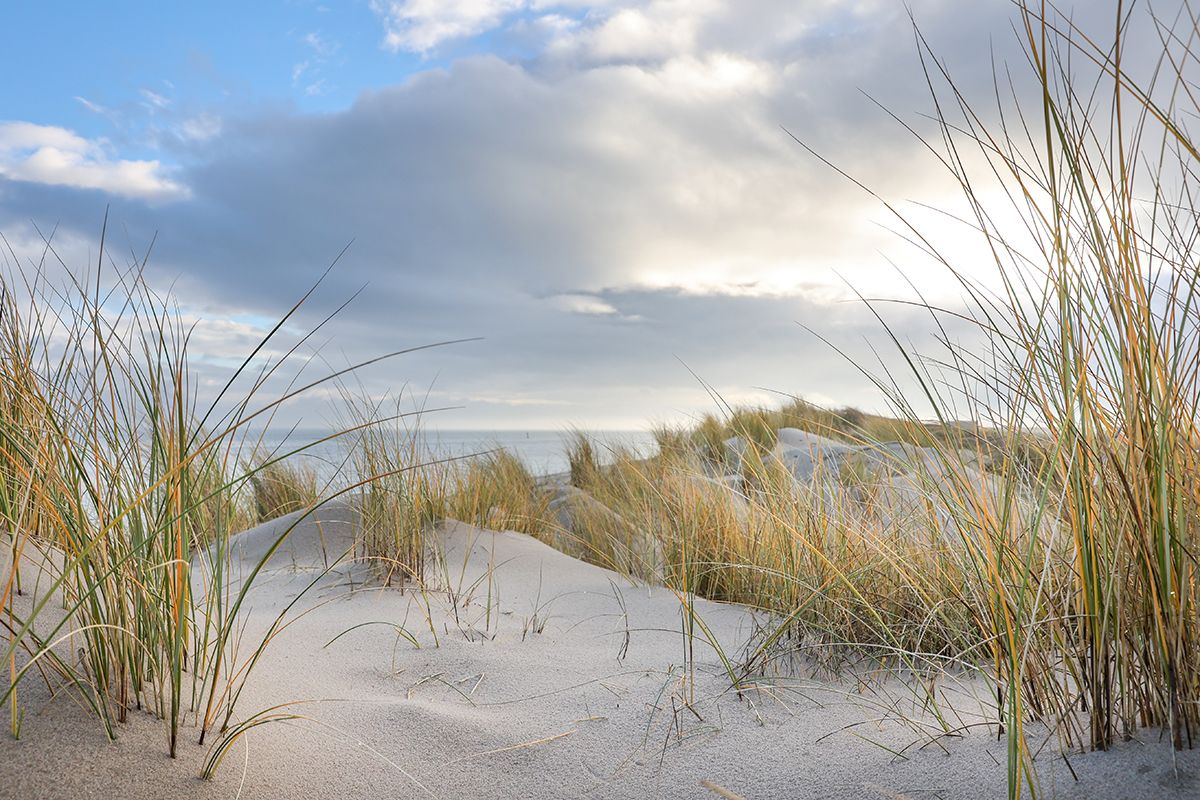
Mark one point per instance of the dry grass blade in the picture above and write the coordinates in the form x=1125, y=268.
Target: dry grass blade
x=122, y=486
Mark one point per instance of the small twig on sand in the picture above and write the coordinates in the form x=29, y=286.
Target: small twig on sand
x=719, y=790
x=533, y=743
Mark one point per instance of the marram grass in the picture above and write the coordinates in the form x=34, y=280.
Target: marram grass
x=1062, y=557
x=122, y=490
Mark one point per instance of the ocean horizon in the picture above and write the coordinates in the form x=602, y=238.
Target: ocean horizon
x=542, y=451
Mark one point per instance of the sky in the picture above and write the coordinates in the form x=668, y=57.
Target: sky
x=607, y=193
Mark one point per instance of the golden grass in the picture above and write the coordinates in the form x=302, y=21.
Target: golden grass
x=1092, y=623
x=1057, y=550
x=824, y=561
x=123, y=490
x=402, y=494
x=498, y=492
x=282, y=487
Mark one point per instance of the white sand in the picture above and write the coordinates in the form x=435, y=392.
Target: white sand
x=457, y=719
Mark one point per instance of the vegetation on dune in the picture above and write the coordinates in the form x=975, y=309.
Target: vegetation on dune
x=766, y=541
x=282, y=487
x=109, y=481
x=497, y=491
x=403, y=493
x=760, y=425
x=1066, y=449
x=1092, y=339
x=120, y=491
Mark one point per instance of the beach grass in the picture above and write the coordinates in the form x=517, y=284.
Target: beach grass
x=120, y=491
x=1057, y=556
x=497, y=491
x=1091, y=339
x=282, y=487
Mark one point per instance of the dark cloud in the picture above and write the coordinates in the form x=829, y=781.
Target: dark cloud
x=647, y=178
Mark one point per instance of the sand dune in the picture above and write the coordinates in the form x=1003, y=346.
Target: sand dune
x=537, y=676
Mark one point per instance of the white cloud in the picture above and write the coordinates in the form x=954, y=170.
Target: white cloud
x=420, y=26
x=321, y=46
x=658, y=31
x=317, y=88
x=55, y=156
x=200, y=128
x=154, y=100
x=582, y=304
x=307, y=73
x=95, y=108
x=517, y=400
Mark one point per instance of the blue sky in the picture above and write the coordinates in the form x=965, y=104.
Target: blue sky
x=127, y=57
x=601, y=189
x=106, y=69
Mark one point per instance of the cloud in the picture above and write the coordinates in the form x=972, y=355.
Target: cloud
x=154, y=101
x=316, y=88
x=321, y=47
x=199, y=128
x=95, y=108
x=420, y=26
x=44, y=154
x=632, y=168
x=582, y=304
x=308, y=71
x=655, y=31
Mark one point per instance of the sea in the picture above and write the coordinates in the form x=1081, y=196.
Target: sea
x=544, y=452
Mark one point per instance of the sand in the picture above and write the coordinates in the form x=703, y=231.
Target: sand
x=548, y=678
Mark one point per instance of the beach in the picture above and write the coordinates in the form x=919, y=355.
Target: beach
x=547, y=678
